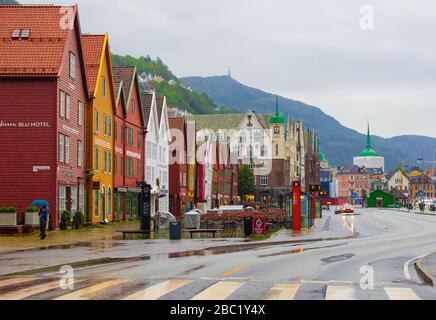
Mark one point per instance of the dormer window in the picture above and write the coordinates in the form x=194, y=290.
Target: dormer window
x=16, y=34
x=25, y=33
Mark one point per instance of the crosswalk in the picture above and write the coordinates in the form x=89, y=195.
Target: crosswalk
x=187, y=289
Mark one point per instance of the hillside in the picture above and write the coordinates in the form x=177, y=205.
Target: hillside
x=340, y=144
x=177, y=94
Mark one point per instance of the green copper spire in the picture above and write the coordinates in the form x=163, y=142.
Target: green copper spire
x=368, y=139
x=320, y=153
x=369, y=151
x=277, y=118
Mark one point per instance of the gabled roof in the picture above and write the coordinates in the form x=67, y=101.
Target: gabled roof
x=125, y=75
x=146, y=101
x=177, y=123
x=93, y=47
x=216, y=122
x=43, y=52
x=160, y=105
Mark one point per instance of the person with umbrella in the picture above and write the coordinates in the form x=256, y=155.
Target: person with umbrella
x=43, y=216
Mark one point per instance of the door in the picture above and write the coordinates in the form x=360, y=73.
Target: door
x=68, y=200
x=380, y=203
x=103, y=205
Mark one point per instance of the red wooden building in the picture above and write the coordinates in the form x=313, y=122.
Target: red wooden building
x=43, y=92
x=178, y=168
x=129, y=143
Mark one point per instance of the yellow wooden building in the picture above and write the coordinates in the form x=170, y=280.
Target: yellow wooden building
x=99, y=129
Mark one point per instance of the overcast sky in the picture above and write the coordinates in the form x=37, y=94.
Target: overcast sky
x=313, y=51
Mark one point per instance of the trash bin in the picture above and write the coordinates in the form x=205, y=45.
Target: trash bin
x=410, y=206
x=175, y=231
x=421, y=206
x=248, y=226
x=433, y=208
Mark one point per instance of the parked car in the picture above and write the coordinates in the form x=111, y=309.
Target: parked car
x=347, y=208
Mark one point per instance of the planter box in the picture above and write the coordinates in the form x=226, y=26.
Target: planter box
x=31, y=219
x=8, y=219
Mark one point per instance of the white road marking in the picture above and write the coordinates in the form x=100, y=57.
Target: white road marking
x=283, y=292
x=159, y=290
x=406, y=266
x=401, y=294
x=219, y=291
x=340, y=293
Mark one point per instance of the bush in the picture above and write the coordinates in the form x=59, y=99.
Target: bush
x=78, y=219
x=65, y=220
x=32, y=209
x=8, y=210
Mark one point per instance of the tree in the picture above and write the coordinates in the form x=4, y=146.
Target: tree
x=246, y=182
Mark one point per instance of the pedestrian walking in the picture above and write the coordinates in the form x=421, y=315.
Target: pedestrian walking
x=43, y=216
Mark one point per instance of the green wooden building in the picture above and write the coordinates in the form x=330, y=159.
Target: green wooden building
x=380, y=199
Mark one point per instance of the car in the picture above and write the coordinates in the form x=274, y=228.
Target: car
x=347, y=208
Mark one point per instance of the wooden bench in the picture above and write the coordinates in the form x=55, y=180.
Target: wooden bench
x=132, y=232
x=210, y=231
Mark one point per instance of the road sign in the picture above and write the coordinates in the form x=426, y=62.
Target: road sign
x=354, y=195
x=259, y=225
x=421, y=194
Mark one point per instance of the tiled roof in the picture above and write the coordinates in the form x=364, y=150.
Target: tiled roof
x=146, y=100
x=159, y=104
x=124, y=74
x=177, y=123
x=352, y=169
x=92, y=51
x=42, y=52
x=216, y=122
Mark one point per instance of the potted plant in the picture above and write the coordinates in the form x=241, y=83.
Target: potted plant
x=65, y=220
x=8, y=217
x=78, y=219
x=31, y=216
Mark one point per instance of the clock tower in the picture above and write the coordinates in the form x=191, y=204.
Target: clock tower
x=277, y=124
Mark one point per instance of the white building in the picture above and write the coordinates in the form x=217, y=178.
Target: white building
x=156, y=150
x=369, y=158
x=399, y=180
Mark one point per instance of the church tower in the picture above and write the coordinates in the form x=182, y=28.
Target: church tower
x=277, y=123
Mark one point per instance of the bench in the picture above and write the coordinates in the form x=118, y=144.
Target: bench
x=132, y=232
x=210, y=231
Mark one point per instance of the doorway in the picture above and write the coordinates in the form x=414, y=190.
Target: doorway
x=68, y=200
x=379, y=203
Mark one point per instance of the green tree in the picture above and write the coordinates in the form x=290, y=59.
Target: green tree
x=246, y=182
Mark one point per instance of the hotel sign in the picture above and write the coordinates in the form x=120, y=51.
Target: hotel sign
x=18, y=124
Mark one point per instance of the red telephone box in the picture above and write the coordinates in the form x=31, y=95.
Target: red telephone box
x=296, y=205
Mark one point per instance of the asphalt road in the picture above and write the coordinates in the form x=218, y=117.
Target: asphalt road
x=385, y=245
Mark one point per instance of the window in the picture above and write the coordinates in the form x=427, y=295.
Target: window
x=72, y=66
x=105, y=125
x=133, y=105
x=103, y=84
x=122, y=166
x=131, y=137
x=96, y=121
x=105, y=168
x=109, y=155
x=148, y=174
x=67, y=106
x=277, y=150
x=62, y=104
x=62, y=198
x=16, y=33
x=138, y=165
x=263, y=180
x=82, y=198
x=96, y=196
x=115, y=130
x=96, y=158
x=115, y=164
x=79, y=153
x=61, y=147
x=109, y=202
x=67, y=149
x=129, y=169
x=139, y=139
x=263, y=152
x=25, y=33
x=80, y=114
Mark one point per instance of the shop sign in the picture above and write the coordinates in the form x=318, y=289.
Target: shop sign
x=41, y=168
x=17, y=124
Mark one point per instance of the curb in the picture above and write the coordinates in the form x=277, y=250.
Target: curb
x=426, y=277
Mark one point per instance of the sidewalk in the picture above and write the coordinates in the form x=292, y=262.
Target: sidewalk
x=426, y=268
x=64, y=238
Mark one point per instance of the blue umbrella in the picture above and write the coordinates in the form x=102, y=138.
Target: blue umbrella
x=40, y=203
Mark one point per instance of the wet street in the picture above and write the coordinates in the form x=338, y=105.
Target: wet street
x=337, y=261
